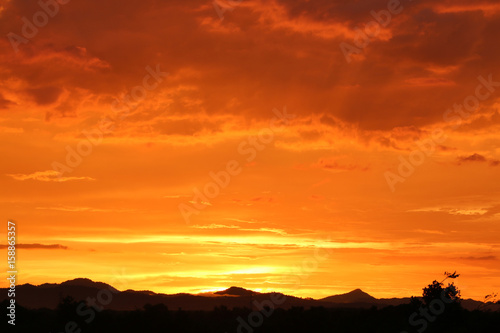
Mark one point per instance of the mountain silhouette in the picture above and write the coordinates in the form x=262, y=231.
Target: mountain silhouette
x=87, y=283
x=236, y=291
x=354, y=296
x=50, y=295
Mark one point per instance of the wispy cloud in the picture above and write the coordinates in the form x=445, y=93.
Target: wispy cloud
x=487, y=8
x=336, y=166
x=37, y=246
x=82, y=209
x=206, y=203
x=175, y=196
x=480, y=258
x=10, y=130
x=240, y=220
x=452, y=211
x=224, y=226
x=215, y=226
x=435, y=232
x=273, y=230
x=46, y=176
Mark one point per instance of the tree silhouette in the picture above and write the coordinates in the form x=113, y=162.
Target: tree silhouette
x=67, y=307
x=436, y=290
x=156, y=318
x=491, y=298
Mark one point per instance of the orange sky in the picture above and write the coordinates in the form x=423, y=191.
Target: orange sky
x=315, y=204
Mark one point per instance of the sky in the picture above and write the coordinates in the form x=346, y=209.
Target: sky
x=306, y=147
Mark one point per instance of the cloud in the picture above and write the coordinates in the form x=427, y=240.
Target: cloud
x=262, y=199
x=206, y=203
x=215, y=226
x=485, y=7
x=44, y=95
x=82, y=209
x=429, y=82
x=223, y=226
x=273, y=230
x=435, y=232
x=479, y=258
x=175, y=196
x=472, y=158
x=276, y=15
x=242, y=221
x=453, y=211
x=37, y=246
x=4, y=103
x=409, y=74
x=46, y=176
x=477, y=158
x=11, y=130
x=332, y=164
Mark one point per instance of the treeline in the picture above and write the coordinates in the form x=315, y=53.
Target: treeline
x=157, y=318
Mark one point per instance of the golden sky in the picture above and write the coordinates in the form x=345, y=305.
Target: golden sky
x=294, y=146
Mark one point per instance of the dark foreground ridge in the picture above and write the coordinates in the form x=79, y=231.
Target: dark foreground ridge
x=50, y=295
x=81, y=306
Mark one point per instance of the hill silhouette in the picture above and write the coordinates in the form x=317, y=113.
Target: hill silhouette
x=236, y=291
x=354, y=296
x=49, y=295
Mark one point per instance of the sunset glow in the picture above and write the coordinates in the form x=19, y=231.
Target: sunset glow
x=175, y=147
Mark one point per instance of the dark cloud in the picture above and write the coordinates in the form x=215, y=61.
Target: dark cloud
x=263, y=55
x=477, y=158
x=4, y=103
x=45, y=95
x=472, y=158
x=480, y=258
x=38, y=246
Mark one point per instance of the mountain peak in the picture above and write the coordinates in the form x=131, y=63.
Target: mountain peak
x=356, y=295
x=235, y=291
x=357, y=292
x=84, y=282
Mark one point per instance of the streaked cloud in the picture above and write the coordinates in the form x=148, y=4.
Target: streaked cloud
x=10, y=130
x=37, y=246
x=215, y=226
x=480, y=258
x=46, y=176
x=77, y=209
x=453, y=211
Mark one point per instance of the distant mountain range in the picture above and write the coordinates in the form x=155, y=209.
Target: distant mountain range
x=103, y=295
